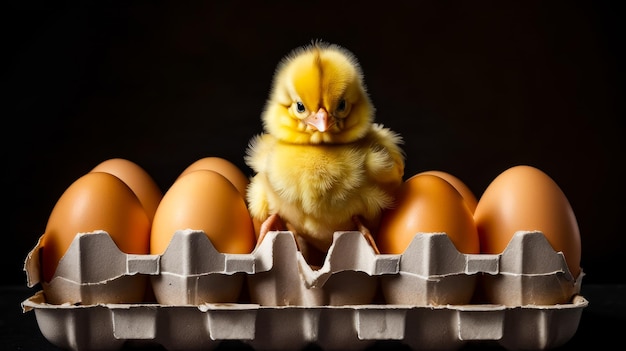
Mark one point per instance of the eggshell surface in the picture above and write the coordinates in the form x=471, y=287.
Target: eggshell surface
x=426, y=204
x=204, y=200
x=459, y=185
x=525, y=198
x=140, y=182
x=223, y=167
x=95, y=201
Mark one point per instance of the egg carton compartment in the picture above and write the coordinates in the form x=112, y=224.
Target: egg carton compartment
x=193, y=272
x=349, y=274
x=93, y=270
x=433, y=272
x=529, y=272
x=349, y=327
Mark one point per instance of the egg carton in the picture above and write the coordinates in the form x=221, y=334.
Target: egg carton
x=349, y=327
x=527, y=272
x=192, y=265
x=272, y=299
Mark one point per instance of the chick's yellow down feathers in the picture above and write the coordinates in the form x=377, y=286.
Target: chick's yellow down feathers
x=321, y=164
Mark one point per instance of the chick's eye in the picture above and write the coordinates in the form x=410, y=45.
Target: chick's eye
x=300, y=107
x=341, y=106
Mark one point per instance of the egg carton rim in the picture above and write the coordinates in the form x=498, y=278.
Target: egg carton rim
x=413, y=261
x=363, y=324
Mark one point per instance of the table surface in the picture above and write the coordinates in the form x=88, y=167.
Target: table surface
x=603, y=323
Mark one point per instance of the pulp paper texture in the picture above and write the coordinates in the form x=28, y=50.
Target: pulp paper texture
x=429, y=297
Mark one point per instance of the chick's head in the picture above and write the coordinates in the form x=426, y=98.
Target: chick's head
x=318, y=96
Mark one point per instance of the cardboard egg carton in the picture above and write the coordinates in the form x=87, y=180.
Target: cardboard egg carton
x=429, y=297
x=527, y=272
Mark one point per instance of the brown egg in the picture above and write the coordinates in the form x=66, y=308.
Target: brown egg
x=223, y=167
x=95, y=201
x=525, y=198
x=425, y=204
x=140, y=182
x=459, y=185
x=204, y=200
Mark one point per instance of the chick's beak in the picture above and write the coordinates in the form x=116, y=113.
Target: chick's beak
x=320, y=120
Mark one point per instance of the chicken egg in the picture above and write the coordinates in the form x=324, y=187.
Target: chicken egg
x=426, y=204
x=223, y=167
x=525, y=198
x=459, y=185
x=95, y=201
x=139, y=181
x=228, y=170
x=204, y=200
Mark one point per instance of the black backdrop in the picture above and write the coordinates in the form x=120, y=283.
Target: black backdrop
x=473, y=87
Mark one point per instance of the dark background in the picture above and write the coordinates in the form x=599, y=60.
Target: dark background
x=474, y=88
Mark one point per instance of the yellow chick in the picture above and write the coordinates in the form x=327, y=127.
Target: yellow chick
x=321, y=164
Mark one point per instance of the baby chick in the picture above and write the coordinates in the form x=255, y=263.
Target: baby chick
x=321, y=164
